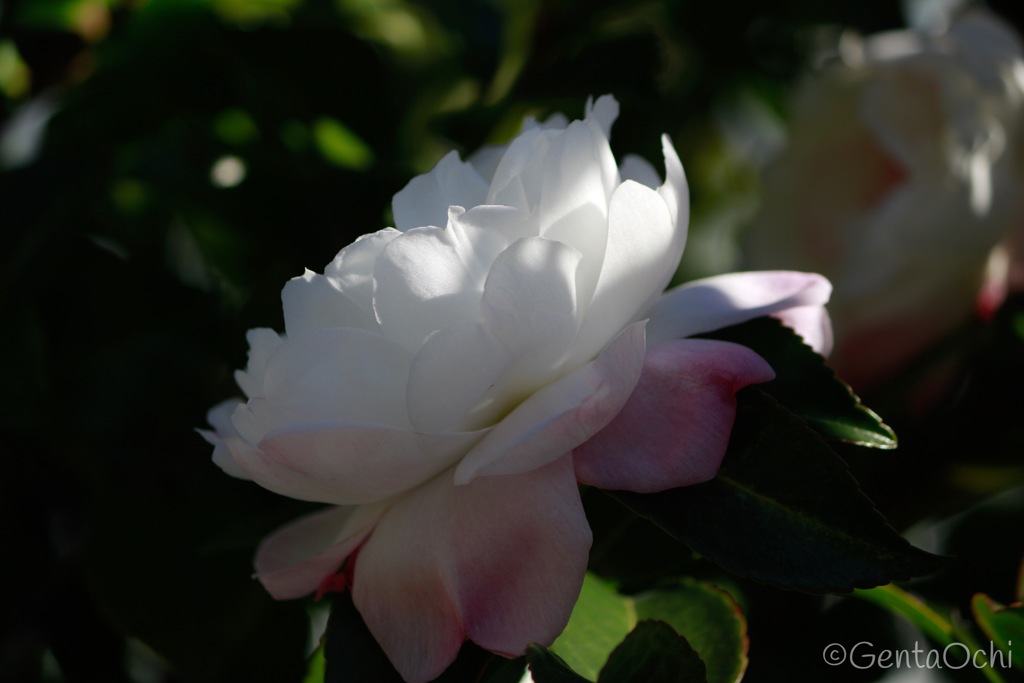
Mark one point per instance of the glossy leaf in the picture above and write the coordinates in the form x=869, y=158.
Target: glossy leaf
x=705, y=615
x=711, y=621
x=785, y=510
x=654, y=653
x=1002, y=624
x=599, y=622
x=806, y=385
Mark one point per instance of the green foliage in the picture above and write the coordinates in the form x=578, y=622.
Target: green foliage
x=808, y=387
x=706, y=616
x=784, y=509
x=652, y=653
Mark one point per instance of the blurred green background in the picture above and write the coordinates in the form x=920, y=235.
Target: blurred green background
x=198, y=153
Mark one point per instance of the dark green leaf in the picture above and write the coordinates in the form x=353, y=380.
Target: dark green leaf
x=653, y=653
x=599, y=622
x=807, y=386
x=547, y=667
x=784, y=510
x=708, y=618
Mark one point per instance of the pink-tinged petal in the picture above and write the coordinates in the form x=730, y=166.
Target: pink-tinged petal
x=675, y=428
x=563, y=414
x=716, y=302
x=219, y=418
x=349, y=464
x=499, y=561
x=812, y=323
x=263, y=343
x=295, y=559
x=424, y=201
x=312, y=302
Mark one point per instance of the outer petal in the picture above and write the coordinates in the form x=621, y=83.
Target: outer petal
x=296, y=558
x=499, y=561
x=716, y=302
x=352, y=269
x=350, y=464
x=313, y=302
x=425, y=199
x=263, y=343
x=219, y=418
x=563, y=414
x=339, y=373
x=675, y=428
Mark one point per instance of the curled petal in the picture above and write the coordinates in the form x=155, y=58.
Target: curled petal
x=716, y=302
x=499, y=561
x=295, y=559
x=563, y=414
x=675, y=428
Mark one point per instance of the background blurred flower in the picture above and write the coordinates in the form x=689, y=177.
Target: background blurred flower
x=446, y=387
x=901, y=174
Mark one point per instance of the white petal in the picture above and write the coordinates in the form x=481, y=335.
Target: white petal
x=644, y=247
x=313, y=301
x=563, y=414
x=352, y=269
x=263, y=343
x=452, y=373
x=219, y=418
x=527, y=322
x=422, y=285
x=340, y=373
x=424, y=201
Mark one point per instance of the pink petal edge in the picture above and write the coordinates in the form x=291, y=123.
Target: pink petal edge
x=499, y=561
x=675, y=428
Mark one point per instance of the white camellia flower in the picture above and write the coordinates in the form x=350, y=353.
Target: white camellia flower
x=445, y=385
x=900, y=176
